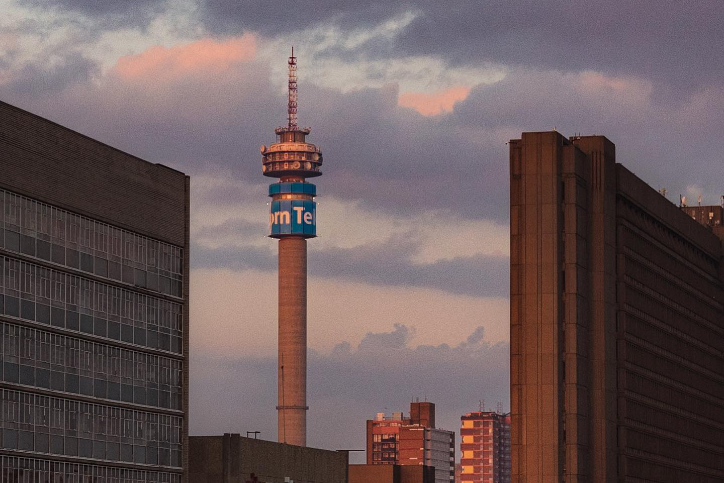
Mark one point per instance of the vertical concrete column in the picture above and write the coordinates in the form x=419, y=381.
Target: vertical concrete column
x=292, y=363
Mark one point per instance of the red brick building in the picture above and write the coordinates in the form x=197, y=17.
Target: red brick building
x=412, y=440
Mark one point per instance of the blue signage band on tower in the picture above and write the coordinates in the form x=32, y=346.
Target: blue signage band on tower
x=293, y=211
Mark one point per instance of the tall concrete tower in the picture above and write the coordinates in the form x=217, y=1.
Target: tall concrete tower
x=292, y=219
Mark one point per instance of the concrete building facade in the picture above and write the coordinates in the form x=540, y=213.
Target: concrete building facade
x=412, y=440
x=485, y=447
x=617, y=323
x=232, y=458
x=93, y=309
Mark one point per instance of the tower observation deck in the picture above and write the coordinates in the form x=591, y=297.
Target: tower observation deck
x=292, y=219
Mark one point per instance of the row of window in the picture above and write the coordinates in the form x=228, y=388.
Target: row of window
x=51, y=361
x=122, y=272
x=30, y=470
x=52, y=297
x=385, y=446
x=32, y=422
x=45, y=222
x=385, y=438
x=389, y=457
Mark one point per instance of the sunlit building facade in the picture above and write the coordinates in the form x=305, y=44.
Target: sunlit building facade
x=617, y=322
x=412, y=440
x=93, y=309
x=485, y=447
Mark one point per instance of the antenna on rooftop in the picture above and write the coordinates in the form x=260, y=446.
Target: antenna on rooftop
x=499, y=407
x=482, y=405
x=292, y=109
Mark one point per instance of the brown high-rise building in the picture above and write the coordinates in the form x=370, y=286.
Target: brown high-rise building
x=94, y=284
x=485, y=447
x=617, y=323
x=413, y=440
x=292, y=220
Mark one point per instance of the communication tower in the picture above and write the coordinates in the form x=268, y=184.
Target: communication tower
x=292, y=219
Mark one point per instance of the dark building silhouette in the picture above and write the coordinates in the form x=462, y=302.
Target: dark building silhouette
x=617, y=323
x=232, y=458
x=93, y=309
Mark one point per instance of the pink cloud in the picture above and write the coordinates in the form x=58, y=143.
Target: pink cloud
x=205, y=56
x=592, y=81
x=434, y=103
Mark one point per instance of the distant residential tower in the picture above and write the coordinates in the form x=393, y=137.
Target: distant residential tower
x=485, y=447
x=292, y=219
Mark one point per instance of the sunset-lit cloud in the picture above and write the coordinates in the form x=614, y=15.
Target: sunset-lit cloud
x=205, y=56
x=434, y=103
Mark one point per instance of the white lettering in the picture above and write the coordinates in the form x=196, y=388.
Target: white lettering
x=281, y=217
x=299, y=211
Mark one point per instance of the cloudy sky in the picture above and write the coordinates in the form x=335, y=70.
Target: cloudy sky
x=412, y=103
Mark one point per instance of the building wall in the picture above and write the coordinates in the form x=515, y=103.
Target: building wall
x=616, y=318
x=53, y=164
x=233, y=459
x=391, y=474
x=671, y=338
x=93, y=308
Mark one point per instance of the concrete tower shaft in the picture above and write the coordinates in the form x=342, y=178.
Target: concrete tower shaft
x=292, y=357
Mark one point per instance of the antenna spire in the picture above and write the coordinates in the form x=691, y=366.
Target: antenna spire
x=292, y=110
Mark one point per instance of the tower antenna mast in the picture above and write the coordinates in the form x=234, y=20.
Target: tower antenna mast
x=292, y=109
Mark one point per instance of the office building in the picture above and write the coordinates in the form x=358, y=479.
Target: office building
x=412, y=440
x=617, y=323
x=93, y=307
x=485, y=447
x=292, y=220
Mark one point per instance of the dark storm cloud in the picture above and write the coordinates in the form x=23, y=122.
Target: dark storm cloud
x=110, y=13
x=679, y=45
x=273, y=18
x=50, y=80
x=668, y=146
x=386, y=264
x=389, y=264
x=349, y=385
x=241, y=258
